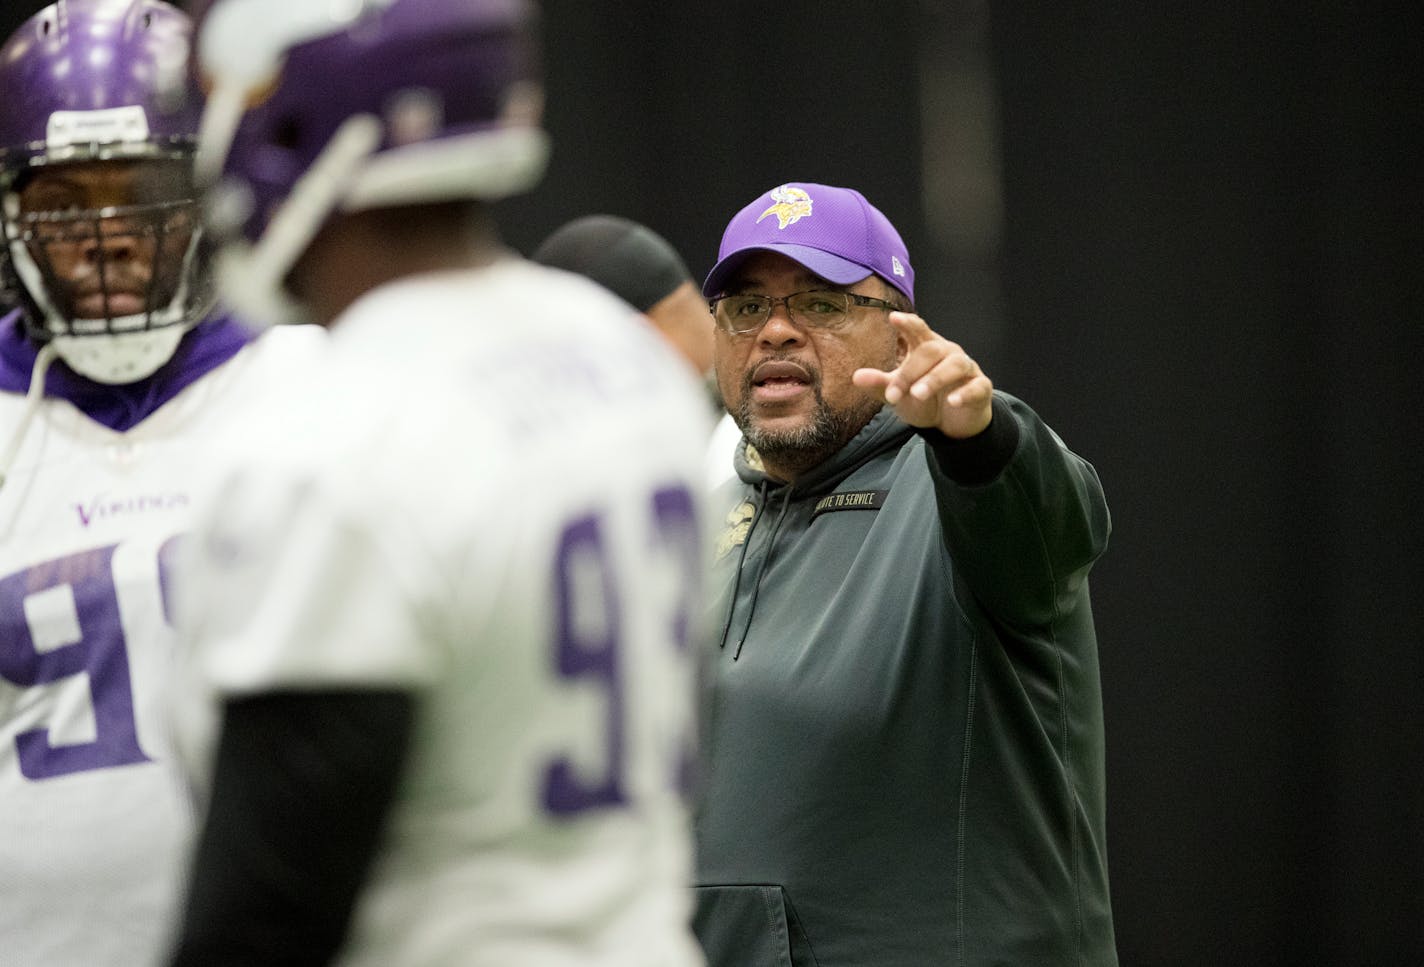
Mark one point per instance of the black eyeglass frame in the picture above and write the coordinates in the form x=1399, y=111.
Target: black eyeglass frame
x=853, y=298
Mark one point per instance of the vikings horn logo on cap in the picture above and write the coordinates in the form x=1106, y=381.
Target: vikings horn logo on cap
x=791, y=205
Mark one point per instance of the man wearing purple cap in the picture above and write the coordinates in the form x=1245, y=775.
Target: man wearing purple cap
x=904, y=752
x=116, y=369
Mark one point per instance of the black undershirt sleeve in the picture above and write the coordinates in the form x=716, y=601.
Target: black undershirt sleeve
x=978, y=459
x=301, y=787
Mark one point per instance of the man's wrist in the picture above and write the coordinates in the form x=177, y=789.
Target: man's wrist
x=978, y=459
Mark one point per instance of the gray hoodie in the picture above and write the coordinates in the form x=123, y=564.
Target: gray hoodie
x=903, y=757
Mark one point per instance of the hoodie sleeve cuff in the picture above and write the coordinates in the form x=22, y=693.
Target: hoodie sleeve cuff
x=979, y=459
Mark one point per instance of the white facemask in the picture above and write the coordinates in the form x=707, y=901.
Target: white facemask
x=119, y=351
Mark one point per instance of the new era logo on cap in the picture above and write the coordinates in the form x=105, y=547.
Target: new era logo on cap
x=833, y=232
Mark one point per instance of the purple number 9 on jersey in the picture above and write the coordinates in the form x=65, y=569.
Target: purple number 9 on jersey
x=586, y=644
x=81, y=634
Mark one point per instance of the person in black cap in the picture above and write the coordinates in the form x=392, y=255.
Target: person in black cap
x=638, y=265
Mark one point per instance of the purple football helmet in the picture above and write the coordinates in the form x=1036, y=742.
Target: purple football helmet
x=90, y=81
x=317, y=107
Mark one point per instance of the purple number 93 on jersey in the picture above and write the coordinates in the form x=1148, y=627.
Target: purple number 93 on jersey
x=588, y=639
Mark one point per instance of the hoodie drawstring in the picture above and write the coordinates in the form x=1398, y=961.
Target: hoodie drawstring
x=43, y=358
x=741, y=558
x=761, y=572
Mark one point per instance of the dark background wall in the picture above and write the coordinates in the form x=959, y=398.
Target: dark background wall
x=1189, y=235
x=1212, y=267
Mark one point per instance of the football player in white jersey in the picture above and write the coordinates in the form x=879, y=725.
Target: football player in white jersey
x=442, y=602
x=114, y=369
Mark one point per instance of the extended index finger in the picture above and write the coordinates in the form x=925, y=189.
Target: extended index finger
x=915, y=330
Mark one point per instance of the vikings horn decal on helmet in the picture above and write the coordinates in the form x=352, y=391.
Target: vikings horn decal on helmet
x=317, y=107
x=113, y=285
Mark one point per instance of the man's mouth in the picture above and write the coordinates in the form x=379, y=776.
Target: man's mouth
x=779, y=380
x=96, y=305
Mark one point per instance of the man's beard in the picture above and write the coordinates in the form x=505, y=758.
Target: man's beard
x=798, y=449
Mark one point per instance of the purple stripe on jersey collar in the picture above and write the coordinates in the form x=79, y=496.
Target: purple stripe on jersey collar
x=203, y=348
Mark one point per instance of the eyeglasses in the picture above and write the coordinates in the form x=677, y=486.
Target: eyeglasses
x=827, y=309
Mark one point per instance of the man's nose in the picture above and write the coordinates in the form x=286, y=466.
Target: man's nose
x=779, y=328
x=113, y=242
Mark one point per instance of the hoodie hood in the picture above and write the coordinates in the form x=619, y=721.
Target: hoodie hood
x=885, y=431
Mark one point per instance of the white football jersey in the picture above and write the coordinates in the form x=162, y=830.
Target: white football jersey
x=488, y=497
x=721, y=450
x=93, y=820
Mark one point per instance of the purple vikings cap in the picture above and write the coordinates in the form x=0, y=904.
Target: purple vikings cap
x=833, y=232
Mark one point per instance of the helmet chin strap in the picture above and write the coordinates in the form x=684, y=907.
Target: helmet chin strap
x=32, y=405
